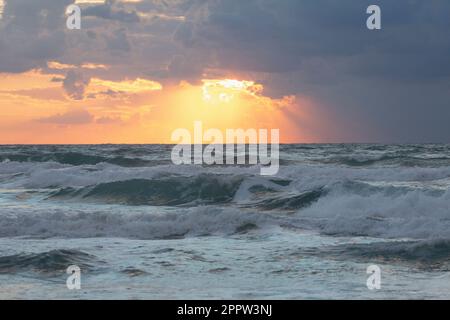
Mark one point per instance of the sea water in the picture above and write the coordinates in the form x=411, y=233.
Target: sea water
x=140, y=227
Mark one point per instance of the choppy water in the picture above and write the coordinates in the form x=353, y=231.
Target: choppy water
x=141, y=227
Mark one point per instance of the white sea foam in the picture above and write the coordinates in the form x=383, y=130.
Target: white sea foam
x=155, y=223
x=410, y=215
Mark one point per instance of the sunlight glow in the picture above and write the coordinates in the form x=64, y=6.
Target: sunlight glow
x=127, y=86
x=225, y=90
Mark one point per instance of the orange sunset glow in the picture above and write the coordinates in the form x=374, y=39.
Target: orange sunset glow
x=37, y=110
x=134, y=71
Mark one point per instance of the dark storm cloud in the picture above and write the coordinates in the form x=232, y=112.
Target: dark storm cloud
x=256, y=35
x=108, y=11
x=282, y=35
x=118, y=41
x=31, y=33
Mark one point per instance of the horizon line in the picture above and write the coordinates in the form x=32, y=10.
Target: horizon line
x=172, y=144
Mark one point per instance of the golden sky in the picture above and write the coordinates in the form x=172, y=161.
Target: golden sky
x=129, y=76
x=37, y=109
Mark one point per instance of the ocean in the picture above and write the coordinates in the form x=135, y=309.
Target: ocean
x=140, y=227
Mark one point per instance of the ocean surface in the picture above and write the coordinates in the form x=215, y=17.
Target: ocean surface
x=140, y=227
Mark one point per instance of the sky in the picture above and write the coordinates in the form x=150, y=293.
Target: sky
x=138, y=70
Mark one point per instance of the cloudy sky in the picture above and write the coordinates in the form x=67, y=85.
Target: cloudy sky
x=137, y=70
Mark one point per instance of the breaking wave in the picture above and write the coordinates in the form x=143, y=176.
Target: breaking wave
x=55, y=261
x=81, y=191
x=168, y=191
x=136, y=224
x=413, y=214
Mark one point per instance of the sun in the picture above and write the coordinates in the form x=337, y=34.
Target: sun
x=216, y=91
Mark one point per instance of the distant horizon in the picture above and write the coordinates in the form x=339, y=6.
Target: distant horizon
x=172, y=144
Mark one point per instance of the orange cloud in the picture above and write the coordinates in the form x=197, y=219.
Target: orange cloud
x=55, y=65
x=128, y=86
x=94, y=66
x=34, y=109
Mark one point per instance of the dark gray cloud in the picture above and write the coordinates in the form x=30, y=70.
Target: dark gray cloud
x=111, y=12
x=283, y=35
x=118, y=41
x=75, y=85
x=31, y=33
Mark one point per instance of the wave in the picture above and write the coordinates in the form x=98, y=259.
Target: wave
x=167, y=191
x=303, y=177
x=352, y=155
x=76, y=159
x=203, y=189
x=429, y=254
x=371, y=155
x=388, y=160
x=414, y=214
x=54, y=261
x=426, y=251
x=375, y=201
x=136, y=223
x=292, y=201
